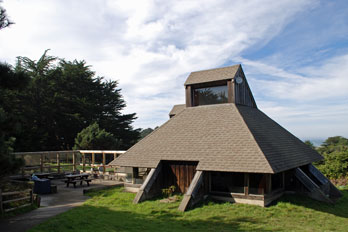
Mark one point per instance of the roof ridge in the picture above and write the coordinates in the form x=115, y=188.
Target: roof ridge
x=252, y=135
x=212, y=69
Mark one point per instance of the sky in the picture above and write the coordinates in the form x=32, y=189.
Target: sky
x=294, y=52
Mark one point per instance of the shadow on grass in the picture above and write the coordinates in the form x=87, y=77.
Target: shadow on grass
x=91, y=218
x=340, y=208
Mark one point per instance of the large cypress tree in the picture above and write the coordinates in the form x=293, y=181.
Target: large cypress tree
x=64, y=97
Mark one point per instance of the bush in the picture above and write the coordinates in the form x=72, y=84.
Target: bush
x=335, y=165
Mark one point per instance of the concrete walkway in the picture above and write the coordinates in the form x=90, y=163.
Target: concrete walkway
x=53, y=204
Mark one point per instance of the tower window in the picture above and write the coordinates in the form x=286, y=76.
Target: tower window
x=210, y=95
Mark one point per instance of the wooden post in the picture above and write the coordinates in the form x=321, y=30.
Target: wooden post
x=188, y=96
x=115, y=156
x=246, y=184
x=31, y=196
x=58, y=162
x=93, y=159
x=268, y=183
x=74, y=161
x=41, y=163
x=83, y=162
x=104, y=162
x=1, y=207
x=22, y=169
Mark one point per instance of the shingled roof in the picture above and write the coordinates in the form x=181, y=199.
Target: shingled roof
x=210, y=75
x=177, y=109
x=223, y=137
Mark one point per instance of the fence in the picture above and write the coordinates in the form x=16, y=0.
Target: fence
x=54, y=160
x=29, y=198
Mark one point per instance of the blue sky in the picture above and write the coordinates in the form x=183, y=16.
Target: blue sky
x=294, y=53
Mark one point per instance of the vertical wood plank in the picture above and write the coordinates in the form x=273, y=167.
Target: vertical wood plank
x=246, y=184
x=188, y=96
x=229, y=91
x=41, y=163
x=83, y=162
x=93, y=159
x=74, y=161
x=58, y=163
x=104, y=162
x=115, y=156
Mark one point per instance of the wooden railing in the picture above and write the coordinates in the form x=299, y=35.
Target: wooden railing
x=29, y=198
x=58, y=154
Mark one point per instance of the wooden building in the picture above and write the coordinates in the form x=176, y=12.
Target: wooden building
x=220, y=144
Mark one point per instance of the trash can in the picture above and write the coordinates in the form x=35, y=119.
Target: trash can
x=42, y=186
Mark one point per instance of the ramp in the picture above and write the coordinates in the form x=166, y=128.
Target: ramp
x=326, y=185
x=314, y=191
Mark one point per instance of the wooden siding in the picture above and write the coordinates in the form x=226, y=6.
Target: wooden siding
x=242, y=92
x=179, y=174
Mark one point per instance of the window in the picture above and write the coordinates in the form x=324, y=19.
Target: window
x=210, y=95
x=257, y=183
x=229, y=182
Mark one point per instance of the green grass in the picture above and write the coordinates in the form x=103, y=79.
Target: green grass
x=113, y=210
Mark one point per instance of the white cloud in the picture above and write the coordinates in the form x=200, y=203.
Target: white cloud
x=151, y=46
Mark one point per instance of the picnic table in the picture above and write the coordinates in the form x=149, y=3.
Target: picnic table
x=75, y=178
x=42, y=175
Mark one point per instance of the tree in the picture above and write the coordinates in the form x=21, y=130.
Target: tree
x=94, y=138
x=4, y=20
x=145, y=132
x=335, y=153
x=10, y=123
x=310, y=144
x=64, y=97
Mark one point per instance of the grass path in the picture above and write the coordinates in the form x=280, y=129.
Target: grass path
x=113, y=210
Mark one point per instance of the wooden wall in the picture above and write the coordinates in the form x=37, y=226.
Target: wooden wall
x=242, y=92
x=179, y=174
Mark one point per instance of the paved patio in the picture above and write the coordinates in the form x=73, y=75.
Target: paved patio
x=53, y=204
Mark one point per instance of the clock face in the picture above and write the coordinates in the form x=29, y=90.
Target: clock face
x=239, y=80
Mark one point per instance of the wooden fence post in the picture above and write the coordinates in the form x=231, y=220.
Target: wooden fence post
x=93, y=159
x=104, y=162
x=41, y=163
x=74, y=161
x=115, y=156
x=1, y=207
x=22, y=169
x=31, y=196
x=83, y=162
x=58, y=162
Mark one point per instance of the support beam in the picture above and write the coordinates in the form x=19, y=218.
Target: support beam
x=58, y=162
x=93, y=159
x=147, y=186
x=191, y=197
x=104, y=162
x=83, y=162
x=74, y=162
x=188, y=96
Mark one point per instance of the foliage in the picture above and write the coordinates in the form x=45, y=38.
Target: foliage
x=310, y=144
x=116, y=212
x=335, y=153
x=92, y=138
x=4, y=20
x=168, y=192
x=145, y=132
x=52, y=100
x=10, y=123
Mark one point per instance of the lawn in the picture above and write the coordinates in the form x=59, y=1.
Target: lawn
x=113, y=210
